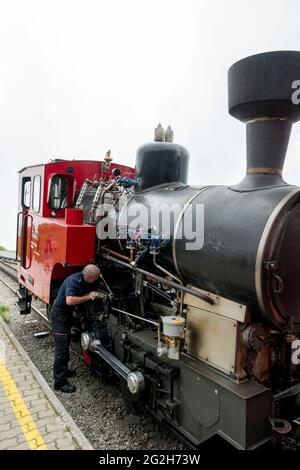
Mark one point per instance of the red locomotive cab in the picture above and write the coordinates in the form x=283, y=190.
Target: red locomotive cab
x=52, y=240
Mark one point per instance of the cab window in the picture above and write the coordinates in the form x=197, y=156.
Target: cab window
x=26, y=192
x=36, y=196
x=58, y=196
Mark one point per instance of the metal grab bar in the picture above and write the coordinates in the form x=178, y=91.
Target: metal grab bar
x=30, y=247
x=17, y=239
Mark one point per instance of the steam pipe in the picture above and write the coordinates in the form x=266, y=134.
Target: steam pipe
x=118, y=255
x=172, y=276
x=203, y=297
x=155, y=323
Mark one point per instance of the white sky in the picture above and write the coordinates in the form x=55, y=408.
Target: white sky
x=78, y=77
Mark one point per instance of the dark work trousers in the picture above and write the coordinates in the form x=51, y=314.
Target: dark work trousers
x=61, y=326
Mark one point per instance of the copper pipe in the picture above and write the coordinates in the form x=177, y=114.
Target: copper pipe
x=161, y=279
x=118, y=255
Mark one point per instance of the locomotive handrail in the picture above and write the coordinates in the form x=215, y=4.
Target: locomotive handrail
x=17, y=239
x=203, y=297
x=30, y=249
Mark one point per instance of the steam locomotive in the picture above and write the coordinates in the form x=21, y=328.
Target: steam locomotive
x=200, y=316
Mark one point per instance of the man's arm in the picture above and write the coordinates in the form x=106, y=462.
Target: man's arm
x=73, y=300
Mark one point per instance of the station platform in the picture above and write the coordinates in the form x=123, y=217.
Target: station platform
x=31, y=416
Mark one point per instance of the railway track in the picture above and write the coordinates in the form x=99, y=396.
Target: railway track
x=9, y=267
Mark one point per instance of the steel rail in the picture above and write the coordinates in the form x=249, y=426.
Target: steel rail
x=15, y=291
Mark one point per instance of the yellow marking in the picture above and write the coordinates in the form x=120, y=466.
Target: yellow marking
x=25, y=420
x=29, y=429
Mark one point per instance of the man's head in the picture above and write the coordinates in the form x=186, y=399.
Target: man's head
x=91, y=273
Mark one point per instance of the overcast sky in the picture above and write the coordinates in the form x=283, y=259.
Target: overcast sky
x=78, y=77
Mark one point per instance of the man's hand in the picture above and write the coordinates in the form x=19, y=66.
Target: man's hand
x=70, y=300
x=94, y=295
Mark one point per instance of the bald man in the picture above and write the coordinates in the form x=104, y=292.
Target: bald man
x=76, y=289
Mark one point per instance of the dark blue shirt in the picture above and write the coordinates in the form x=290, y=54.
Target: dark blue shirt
x=74, y=286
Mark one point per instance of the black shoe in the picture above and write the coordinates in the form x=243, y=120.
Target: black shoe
x=67, y=388
x=71, y=373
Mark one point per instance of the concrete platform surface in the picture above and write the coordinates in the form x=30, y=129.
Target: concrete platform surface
x=31, y=417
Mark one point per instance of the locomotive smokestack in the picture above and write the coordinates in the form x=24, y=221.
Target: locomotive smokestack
x=260, y=90
x=267, y=143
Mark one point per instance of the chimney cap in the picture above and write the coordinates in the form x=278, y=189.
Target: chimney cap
x=260, y=86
